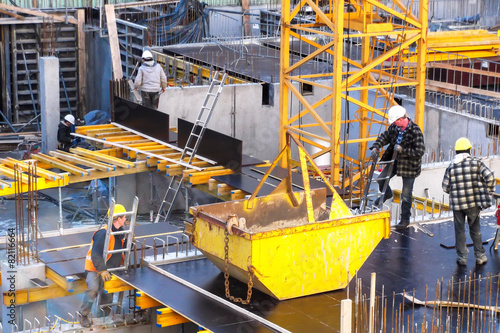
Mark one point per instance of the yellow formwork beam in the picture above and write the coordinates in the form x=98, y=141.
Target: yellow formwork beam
x=202, y=177
x=4, y=184
x=49, y=175
x=103, y=158
x=57, y=163
x=110, y=134
x=128, y=137
x=116, y=285
x=84, y=129
x=65, y=282
x=143, y=301
x=166, y=317
x=148, y=148
x=83, y=161
x=104, y=131
x=31, y=295
x=8, y=172
x=155, y=160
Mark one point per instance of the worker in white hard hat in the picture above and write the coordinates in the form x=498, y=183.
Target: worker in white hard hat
x=96, y=267
x=405, y=138
x=64, y=130
x=470, y=185
x=151, y=80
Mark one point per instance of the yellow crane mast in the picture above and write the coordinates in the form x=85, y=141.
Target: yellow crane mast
x=384, y=32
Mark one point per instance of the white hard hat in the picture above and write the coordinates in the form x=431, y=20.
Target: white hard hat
x=147, y=55
x=396, y=112
x=70, y=118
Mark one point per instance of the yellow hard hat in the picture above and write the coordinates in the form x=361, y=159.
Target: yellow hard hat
x=462, y=144
x=119, y=209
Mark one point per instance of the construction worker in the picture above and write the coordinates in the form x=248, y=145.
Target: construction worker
x=96, y=268
x=151, y=80
x=404, y=137
x=470, y=184
x=64, y=132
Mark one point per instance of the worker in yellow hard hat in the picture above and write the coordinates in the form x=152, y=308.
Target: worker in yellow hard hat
x=470, y=184
x=96, y=268
x=404, y=137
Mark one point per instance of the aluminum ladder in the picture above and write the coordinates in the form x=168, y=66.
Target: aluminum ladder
x=367, y=196
x=129, y=234
x=192, y=143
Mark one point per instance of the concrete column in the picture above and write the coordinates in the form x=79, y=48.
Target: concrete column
x=16, y=278
x=49, y=101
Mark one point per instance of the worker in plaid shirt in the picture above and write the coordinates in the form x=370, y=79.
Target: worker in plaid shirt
x=406, y=138
x=470, y=184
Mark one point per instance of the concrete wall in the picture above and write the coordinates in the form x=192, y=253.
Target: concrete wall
x=444, y=127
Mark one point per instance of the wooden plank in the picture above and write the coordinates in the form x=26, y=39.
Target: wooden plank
x=145, y=3
x=82, y=109
x=19, y=17
x=114, y=46
x=49, y=175
x=463, y=89
x=125, y=147
x=95, y=155
x=38, y=13
x=74, y=170
x=8, y=172
x=463, y=69
x=83, y=161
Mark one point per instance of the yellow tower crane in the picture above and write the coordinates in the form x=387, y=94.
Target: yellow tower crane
x=384, y=32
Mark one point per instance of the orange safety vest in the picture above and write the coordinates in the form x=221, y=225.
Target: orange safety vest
x=89, y=265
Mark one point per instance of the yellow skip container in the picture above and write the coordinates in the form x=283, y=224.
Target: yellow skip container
x=287, y=252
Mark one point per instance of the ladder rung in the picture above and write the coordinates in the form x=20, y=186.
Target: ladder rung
x=118, y=251
x=119, y=268
x=123, y=232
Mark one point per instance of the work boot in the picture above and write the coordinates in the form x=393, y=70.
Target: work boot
x=85, y=321
x=402, y=225
x=481, y=260
x=462, y=261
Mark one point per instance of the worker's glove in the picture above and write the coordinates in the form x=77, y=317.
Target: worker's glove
x=375, y=153
x=398, y=148
x=105, y=275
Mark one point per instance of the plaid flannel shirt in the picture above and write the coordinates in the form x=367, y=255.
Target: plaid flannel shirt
x=469, y=183
x=409, y=161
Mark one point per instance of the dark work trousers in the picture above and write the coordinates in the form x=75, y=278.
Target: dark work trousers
x=150, y=99
x=95, y=287
x=406, y=192
x=472, y=215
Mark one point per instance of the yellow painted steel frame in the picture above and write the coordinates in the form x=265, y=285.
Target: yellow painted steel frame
x=370, y=73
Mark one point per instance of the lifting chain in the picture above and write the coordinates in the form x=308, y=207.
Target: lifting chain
x=226, y=275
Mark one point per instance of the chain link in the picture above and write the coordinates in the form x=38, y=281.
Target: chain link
x=226, y=275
